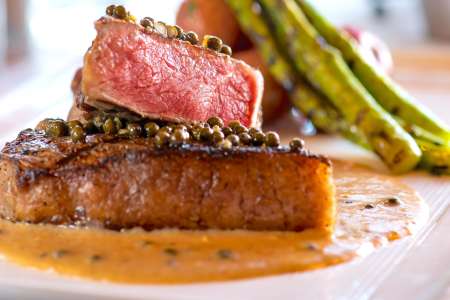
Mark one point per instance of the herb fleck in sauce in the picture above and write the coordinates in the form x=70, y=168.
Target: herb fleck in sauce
x=369, y=206
x=171, y=251
x=225, y=254
x=96, y=258
x=147, y=243
x=60, y=253
x=311, y=247
x=393, y=201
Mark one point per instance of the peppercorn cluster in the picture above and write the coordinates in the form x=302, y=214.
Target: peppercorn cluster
x=170, y=31
x=213, y=132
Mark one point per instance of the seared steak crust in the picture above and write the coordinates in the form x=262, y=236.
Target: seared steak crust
x=121, y=183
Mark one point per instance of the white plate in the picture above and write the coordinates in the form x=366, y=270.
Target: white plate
x=417, y=267
x=361, y=279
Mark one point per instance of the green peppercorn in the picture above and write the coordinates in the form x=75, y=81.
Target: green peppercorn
x=217, y=137
x=109, y=127
x=167, y=129
x=252, y=131
x=123, y=133
x=135, y=130
x=147, y=22
x=196, y=127
x=130, y=18
x=161, y=28
x=42, y=125
x=234, y=139
x=226, y=50
x=77, y=134
x=118, y=123
x=173, y=32
x=173, y=126
x=179, y=136
x=215, y=121
x=180, y=31
x=245, y=138
x=225, y=144
x=151, y=129
x=258, y=138
x=180, y=126
x=296, y=144
x=74, y=123
x=56, y=128
x=162, y=138
x=98, y=122
x=240, y=129
x=158, y=141
x=195, y=134
x=110, y=10
x=212, y=42
x=216, y=128
x=191, y=37
x=233, y=124
x=272, y=139
x=206, y=134
x=227, y=131
x=120, y=12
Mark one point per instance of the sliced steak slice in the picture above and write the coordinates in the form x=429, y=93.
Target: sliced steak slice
x=121, y=183
x=168, y=79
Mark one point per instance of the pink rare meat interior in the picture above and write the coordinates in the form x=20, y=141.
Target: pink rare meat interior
x=169, y=79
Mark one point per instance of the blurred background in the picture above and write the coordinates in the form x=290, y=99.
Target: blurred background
x=42, y=42
x=44, y=35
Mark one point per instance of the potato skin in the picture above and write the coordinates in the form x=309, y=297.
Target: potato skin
x=211, y=17
x=275, y=99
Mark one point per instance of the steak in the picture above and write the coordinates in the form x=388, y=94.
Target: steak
x=122, y=183
x=170, y=79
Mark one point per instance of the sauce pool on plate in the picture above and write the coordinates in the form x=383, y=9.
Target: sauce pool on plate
x=372, y=210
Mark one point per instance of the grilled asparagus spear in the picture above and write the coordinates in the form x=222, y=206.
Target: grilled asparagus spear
x=326, y=69
x=251, y=22
x=419, y=133
x=255, y=27
x=324, y=115
x=303, y=96
x=435, y=158
x=387, y=93
x=435, y=148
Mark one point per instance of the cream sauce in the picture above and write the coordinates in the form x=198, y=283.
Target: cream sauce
x=366, y=219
